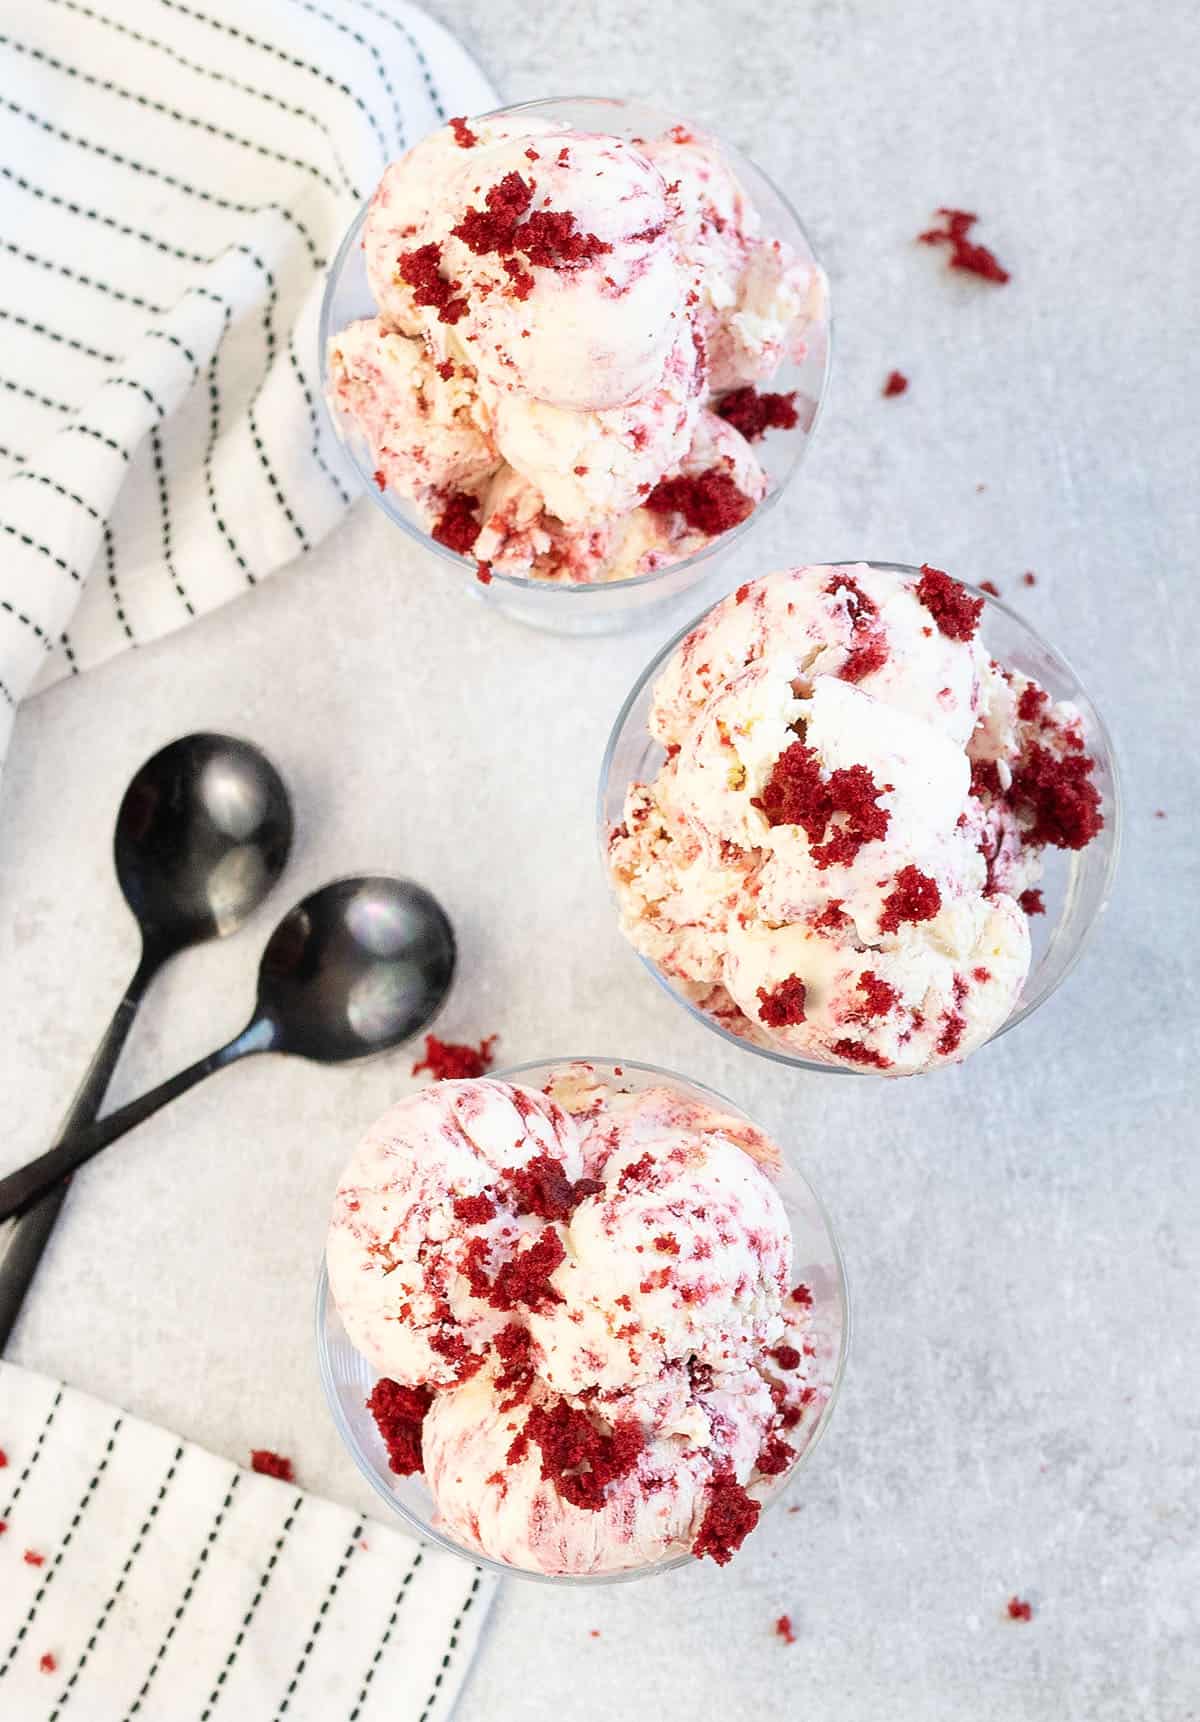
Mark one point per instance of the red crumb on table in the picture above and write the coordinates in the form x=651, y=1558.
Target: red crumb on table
x=1032, y=902
x=458, y=524
x=856, y=1053
x=399, y=1413
x=989, y=586
x=710, y=503
x=464, y=137
x=786, y=1356
x=593, y=1633
x=542, y=1187
x=448, y=1061
x=915, y=898
x=421, y=270
x=896, y=384
x=569, y=1440
x=949, y=603
x=881, y=998
x=742, y=593
x=964, y=253
x=1018, y=1609
x=783, y=1007
x=783, y=1626
x=1058, y=796
x=33, y=1559
x=47, y=1662
x=525, y=1279
x=729, y=1518
x=754, y=415
x=269, y=1464
x=1029, y=578
x=474, y=1210
x=1159, y=814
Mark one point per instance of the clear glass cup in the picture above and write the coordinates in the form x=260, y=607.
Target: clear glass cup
x=605, y=606
x=1076, y=884
x=348, y=1378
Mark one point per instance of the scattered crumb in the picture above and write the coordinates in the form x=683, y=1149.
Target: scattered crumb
x=896, y=384
x=989, y=586
x=1018, y=1610
x=269, y=1464
x=964, y=253
x=1029, y=578
x=1159, y=814
x=48, y=1662
x=364, y=1546
x=783, y=1626
x=3, y=1526
x=483, y=573
x=793, y=1509
x=33, y=1559
x=3, y=1458
x=593, y=1633
x=448, y=1060
x=979, y=489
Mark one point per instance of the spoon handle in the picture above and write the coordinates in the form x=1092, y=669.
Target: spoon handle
x=23, y=1240
x=21, y=1189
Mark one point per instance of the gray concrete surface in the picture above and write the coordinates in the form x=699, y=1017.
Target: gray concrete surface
x=1022, y=1406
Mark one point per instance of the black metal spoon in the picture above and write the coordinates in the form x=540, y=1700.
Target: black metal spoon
x=202, y=834
x=359, y=966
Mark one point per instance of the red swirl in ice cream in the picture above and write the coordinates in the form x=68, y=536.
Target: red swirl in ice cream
x=581, y=1303
x=561, y=316
x=835, y=857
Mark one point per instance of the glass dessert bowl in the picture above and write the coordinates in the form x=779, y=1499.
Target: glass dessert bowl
x=824, y=945
x=787, y=1390
x=616, y=473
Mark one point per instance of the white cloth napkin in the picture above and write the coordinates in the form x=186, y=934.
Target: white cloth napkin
x=142, y=1577
x=174, y=178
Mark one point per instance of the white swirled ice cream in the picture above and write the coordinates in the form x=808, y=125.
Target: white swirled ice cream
x=840, y=854
x=562, y=375
x=580, y=1304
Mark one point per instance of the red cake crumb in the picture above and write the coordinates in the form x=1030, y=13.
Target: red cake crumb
x=1031, y=702
x=494, y=228
x=786, y=1356
x=964, y=253
x=464, y=137
x=667, y=1245
x=952, y=1033
x=1029, y=578
x=1032, y=902
x=754, y=415
x=949, y=603
x=523, y=282
x=399, y=1413
x=985, y=778
x=474, y=1210
x=33, y=1559
x=989, y=586
x=525, y=1279
x=783, y=1007
x=542, y=1187
x=864, y=660
x=483, y=573
x=831, y=916
x=380, y=480
x=1018, y=1609
x=710, y=503
x=796, y=794
x=458, y=526
x=915, y=898
x=856, y=1053
x=445, y=370
x=862, y=609
x=1058, y=797
x=742, y=593
x=637, y=1172
x=783, y=1626
x=981, y=975
x=729, y=1518
x=456, y=1352
x=550, y=238
x=269, y=1464
x=881, y=998
x=897, y=384
x=48, y=1662
x=421, y=270
x=802, y=1295
x=449, y=1061
x=775, y=1457
x=570, y=1441
x=3, y=1526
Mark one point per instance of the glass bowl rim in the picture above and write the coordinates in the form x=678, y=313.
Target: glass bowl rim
x=522, y=582
x=1113, y=827
x=427, y=1531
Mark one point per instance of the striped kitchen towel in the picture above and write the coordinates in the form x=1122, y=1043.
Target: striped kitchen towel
x=174, y=178
x=142, y=1577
